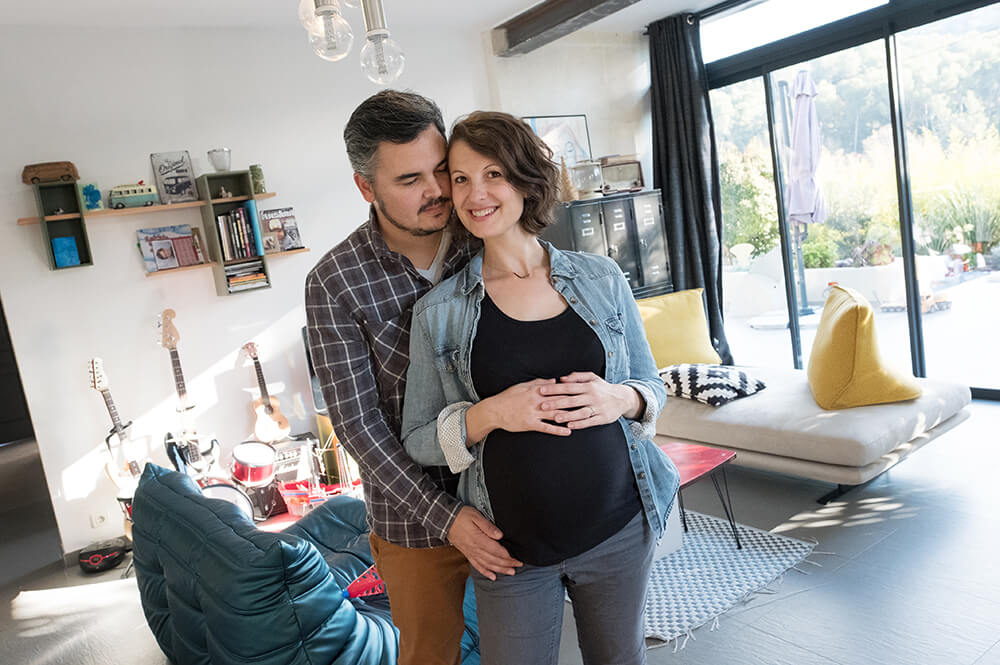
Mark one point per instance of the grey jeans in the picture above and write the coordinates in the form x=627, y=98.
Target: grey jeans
x=520, y=616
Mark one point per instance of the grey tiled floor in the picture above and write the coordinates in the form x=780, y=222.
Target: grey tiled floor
x=912, y=578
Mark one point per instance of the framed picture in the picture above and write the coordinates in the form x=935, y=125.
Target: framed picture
x=174, y=176
x=566, y=135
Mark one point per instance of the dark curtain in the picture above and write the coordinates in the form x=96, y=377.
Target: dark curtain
x=686, y=165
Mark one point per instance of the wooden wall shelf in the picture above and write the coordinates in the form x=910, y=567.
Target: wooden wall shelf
x=290, y=251
x=156, y=273
x=25, y=221
x=120, y=212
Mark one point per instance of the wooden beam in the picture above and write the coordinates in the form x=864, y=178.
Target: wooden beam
x=548, y=21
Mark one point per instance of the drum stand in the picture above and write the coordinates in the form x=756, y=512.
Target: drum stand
x=346, y=476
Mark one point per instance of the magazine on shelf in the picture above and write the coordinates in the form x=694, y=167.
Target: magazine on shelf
x=279, y=230
x=167, y=247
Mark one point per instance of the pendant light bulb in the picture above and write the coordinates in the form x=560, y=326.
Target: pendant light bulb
x=381, y=58
x=331, y=38
x=307, y=15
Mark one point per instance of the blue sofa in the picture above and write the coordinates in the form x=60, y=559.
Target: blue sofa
x=216, y=590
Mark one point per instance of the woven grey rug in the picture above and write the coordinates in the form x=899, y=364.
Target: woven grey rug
x=708, y=575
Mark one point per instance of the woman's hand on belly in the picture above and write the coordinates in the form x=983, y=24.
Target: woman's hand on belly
x=593, y=400
x=516, y=409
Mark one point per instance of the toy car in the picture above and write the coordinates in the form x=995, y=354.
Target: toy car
x=133, y=196
x=49, y=172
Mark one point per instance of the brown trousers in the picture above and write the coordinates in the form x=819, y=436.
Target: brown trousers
x=426, y=587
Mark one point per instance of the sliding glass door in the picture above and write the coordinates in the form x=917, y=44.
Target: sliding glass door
x=753, y=281
x=950, y=71
x=834, y=144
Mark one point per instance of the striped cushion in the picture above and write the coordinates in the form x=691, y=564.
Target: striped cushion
x=711, y=384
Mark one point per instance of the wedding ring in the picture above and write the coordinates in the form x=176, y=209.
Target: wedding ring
x=592, y=412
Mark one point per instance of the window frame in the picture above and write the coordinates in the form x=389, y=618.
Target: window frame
x=880, y=23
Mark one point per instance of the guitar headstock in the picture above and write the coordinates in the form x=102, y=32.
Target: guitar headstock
x=168, y=333
x=251, y=349
x=95, y=368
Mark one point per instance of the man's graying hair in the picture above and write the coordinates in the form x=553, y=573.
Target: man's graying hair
x=389, y=115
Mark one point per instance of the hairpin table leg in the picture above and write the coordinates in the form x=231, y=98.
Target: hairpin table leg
x=727, y=504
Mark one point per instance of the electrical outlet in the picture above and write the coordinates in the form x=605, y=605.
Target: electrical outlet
x=97, y=520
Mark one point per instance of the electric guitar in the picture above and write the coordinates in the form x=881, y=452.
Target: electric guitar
x=270, y=425
x=124, y=477
x=187, y=452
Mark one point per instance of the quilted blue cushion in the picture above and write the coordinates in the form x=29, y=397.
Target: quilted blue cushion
x=216, y=590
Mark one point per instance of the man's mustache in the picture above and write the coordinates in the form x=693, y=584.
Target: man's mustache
x=432, y=204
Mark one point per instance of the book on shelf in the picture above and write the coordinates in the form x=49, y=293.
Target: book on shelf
x=65, y=251
x=166, y=247
x=258, y=241
x=239, y=234
x=279, y=231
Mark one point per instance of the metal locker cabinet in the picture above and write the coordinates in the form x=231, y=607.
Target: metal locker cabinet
x=585, y=221
x=652, y=239
x=620, y=239
x=577, y=227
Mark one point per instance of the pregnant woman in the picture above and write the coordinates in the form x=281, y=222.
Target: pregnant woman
x=530, y=374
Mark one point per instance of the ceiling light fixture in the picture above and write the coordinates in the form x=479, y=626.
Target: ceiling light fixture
x=331, y=37
x=329, y=34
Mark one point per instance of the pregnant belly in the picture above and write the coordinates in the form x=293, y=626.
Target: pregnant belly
x=544, y=487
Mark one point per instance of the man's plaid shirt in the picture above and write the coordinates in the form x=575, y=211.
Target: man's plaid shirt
x=359, y=300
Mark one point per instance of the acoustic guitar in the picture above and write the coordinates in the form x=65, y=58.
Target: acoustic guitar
x=270, y=425
x=188, y=452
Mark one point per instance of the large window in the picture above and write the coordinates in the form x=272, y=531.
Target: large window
x=753, y=282
x=951, y=78
x=929, y=264
x=834, y=134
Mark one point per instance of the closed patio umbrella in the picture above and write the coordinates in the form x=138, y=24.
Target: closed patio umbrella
x=804, y=204
x=805, y=200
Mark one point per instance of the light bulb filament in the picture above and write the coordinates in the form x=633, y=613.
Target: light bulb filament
x=380, y=57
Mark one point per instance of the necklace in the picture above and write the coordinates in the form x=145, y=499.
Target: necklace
x=513, y=272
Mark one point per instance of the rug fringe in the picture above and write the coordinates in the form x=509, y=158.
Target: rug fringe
x=771, y=587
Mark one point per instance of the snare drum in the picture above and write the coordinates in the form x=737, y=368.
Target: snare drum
x=232, y=494
x=253, y=463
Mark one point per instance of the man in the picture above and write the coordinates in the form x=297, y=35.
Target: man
x=359, y=299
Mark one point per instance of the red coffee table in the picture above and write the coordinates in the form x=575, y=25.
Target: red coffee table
x=694, y=462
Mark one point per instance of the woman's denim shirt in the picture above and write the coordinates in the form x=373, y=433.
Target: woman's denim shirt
x=439, y=387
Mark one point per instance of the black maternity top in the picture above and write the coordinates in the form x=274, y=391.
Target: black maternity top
x=553, y=497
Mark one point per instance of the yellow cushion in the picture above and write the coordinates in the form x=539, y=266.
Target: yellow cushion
x=845, y=368
x=677, y=329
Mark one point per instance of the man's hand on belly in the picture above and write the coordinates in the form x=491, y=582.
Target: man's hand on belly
x=477, y=538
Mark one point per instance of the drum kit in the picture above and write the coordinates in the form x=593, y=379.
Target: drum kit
x=252, y=468
x=253, y=485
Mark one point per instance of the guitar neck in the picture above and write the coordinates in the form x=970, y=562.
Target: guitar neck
x=113, y=411
x=175, y=361
x=260, y=382
x=133, y=465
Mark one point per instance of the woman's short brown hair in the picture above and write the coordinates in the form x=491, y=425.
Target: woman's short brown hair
x=523, y=156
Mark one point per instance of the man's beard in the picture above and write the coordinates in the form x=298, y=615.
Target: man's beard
x=418, y=232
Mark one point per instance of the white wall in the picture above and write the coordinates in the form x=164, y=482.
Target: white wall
x=259, y=92
x=604, y=75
